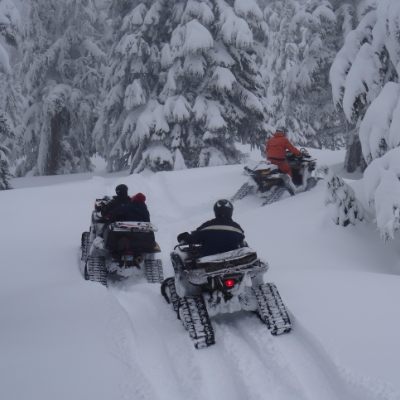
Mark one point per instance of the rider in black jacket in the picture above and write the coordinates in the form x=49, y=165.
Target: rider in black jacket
x=218, y=235
x=117, y=201
x=136, y=210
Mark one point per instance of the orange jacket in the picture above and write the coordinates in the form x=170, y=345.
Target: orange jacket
x=276, y=147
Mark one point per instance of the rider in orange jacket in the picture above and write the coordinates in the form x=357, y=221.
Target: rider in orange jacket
x=276, y=151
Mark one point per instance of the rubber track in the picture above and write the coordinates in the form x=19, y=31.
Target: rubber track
x=95, y=270
x=173, y=297
x=85, y=245
x=271, y=310
x=177, y=262
x=311, y=183
x=154, y=271
x=273, y=195
x=197, y=321
x=242, y=192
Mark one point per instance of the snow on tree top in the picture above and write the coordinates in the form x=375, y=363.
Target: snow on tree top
x=92, y=48
x=382, y=189
x=135, y=17
x=215, y=120
x=160, y=123
x=177, y=108
x=363, y=78
x=375, y=126
x=153, y=14
x=194, y=65
x=223, y=78
x=200, y=10
x=234, y=29
x=325, y=11
x=9, y=13
x=220, y=56
x=134, y=95
x=244, y=8
x=197, y=38
x=166, y=56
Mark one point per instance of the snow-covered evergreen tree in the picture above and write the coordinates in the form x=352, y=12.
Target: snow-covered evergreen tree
x=382, y=189
x=5, y=130
x=10, y=95
x=367, y=63
x=62, y=58
x=183, y=84
x=340, y=198
x=304, y=39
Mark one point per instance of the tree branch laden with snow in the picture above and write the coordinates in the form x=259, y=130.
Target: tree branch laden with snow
x=340, y=198
x=382, y=189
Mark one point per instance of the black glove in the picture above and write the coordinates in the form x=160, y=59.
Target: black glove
x=184, y=238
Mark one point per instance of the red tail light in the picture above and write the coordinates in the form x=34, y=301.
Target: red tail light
x=229, y=283
x=129, y=252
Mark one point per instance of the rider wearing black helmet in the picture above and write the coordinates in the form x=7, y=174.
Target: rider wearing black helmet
x=118, y=200
x=218, y=235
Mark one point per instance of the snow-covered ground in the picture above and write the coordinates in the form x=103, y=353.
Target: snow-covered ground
x=65, y=338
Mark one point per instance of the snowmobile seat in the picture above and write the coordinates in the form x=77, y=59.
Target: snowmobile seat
x=129, y=239
x=229, y=259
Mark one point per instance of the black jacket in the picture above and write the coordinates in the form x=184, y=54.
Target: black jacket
x=134, y=211
x=218, y=236
x=116, y=202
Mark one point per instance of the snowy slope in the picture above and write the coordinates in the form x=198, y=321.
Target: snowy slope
x=64, y=338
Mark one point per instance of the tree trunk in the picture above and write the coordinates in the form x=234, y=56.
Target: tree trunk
x=137, y=157
x=59, y=128
x=354, y=156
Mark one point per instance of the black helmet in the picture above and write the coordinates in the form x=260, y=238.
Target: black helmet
x=223, y=208
x=281, y=129
x=121, y=190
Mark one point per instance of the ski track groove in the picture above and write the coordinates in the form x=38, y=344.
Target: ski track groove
x=246, y=362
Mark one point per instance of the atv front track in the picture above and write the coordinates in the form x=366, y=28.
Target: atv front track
x=311, y=183
x=271, y=309
x=154, y=271
x=273, y=195
x=194, y=316
x=168, y=290
x=242, y=192
x=85, y=245
x=95, y=270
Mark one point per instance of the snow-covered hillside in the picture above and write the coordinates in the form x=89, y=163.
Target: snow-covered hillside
x=65, y=338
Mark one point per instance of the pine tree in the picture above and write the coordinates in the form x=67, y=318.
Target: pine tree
x=344, y=207
x=62, y=58
x=5, y=131
x=10, y=95
x=366, y=64
x=304, y=40
x=183, y=84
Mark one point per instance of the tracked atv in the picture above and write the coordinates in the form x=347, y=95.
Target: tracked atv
x=269, y=183
x=119, y=248
x=224, y=283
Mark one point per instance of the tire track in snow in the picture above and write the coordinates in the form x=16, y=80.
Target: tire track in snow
x=258, y=379
x=245, y=362
x=290, y=359
x=348, y=385
x=165, y=353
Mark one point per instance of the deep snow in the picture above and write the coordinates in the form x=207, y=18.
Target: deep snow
x=64, y=338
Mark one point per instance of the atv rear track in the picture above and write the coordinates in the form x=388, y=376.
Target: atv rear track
x=95, y=270
x=271, y=309
x=194, y=316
